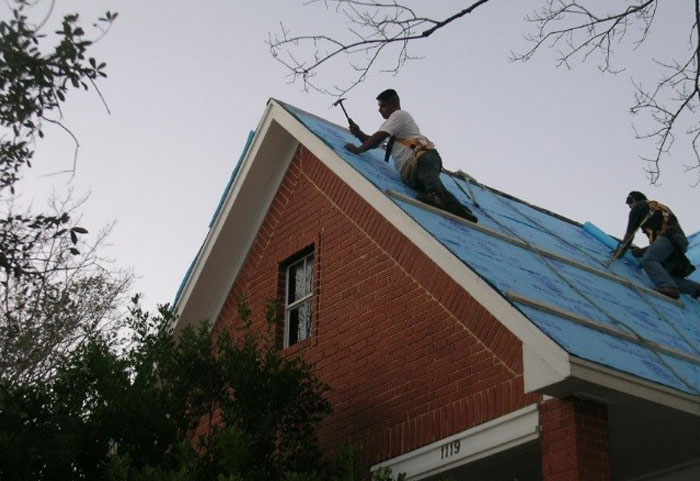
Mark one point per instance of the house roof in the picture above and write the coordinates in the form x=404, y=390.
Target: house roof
x=541, y=274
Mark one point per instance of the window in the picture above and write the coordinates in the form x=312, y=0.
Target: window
x=297, y=310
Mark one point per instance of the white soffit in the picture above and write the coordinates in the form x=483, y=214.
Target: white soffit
x=500, y=434
x=233, y=231
x=619, y=381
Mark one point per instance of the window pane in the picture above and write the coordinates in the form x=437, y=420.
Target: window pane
x=300, y=279
x=294, y=277
x=309, y=274
x=300, y=322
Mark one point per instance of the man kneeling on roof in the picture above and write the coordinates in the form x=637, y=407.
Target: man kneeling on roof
x=664, y=259
x=415, y=157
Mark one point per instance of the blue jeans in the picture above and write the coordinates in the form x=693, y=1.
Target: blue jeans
x=659, y=260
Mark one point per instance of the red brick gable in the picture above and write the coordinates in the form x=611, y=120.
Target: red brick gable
x=410, y=355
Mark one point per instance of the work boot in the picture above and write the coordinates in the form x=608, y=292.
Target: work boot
x=671, y=292
x=464, y=213
x=431, y=198
x=469, y=216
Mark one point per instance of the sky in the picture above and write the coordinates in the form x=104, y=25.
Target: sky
x=187, y=81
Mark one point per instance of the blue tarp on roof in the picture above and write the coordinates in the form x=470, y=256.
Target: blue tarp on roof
x=604, y=315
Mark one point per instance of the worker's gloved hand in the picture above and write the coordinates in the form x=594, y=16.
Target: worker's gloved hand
x=637, y=251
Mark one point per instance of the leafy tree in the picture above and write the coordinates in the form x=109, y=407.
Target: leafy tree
x=35, y=80
x=575, y=29
x=194, y=409
x=51, y=294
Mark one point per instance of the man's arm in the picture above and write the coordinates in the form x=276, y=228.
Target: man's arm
x=636, y=217
x=623, y=246
x=371, y=142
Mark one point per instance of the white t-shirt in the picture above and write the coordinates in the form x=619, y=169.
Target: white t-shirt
x=401, y=125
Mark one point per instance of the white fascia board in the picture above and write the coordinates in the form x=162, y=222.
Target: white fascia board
x=632, y=385
x=233, y=231
x=500, y=434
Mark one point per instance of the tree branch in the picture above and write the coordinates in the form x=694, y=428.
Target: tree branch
x=387, y=24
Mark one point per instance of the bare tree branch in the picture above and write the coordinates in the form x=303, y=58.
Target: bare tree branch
x=373, y=27
x=578, y=32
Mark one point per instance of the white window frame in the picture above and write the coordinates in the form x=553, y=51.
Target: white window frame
x=308, y=262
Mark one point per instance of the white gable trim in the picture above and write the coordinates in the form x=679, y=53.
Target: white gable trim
x=227, y=244
x=500, y=434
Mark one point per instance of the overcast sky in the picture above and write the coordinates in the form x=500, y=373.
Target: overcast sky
x=189, y=79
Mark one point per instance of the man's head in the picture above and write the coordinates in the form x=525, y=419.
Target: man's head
x=388, y=103
x=634, y=197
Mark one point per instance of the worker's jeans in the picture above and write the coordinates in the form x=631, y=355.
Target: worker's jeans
x=659, y=260
x=428, y=176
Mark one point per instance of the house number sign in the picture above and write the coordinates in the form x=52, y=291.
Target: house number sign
x=449, y=449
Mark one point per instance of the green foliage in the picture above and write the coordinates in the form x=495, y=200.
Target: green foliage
x=142, y=414
x=348, y=464
x=35, y=80
x=384, y=474
x=51, y=294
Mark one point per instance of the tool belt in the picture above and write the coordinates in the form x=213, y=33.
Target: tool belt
x=678, y=264
x=419, y=148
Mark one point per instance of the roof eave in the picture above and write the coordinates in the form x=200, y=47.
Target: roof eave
x=603, y=384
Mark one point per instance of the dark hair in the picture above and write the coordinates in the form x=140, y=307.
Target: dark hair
x=389, y=95
x=635, y=196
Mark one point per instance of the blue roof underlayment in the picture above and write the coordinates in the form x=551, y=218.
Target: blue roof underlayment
x=637, y=333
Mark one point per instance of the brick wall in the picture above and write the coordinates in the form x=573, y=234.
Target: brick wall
x=575, y=444
x=410, y=356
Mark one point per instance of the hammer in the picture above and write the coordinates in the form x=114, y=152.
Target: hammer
x=340, y=102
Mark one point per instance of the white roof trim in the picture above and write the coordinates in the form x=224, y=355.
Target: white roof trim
x=634, y=386
x=500, y=434
x=242, y=211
